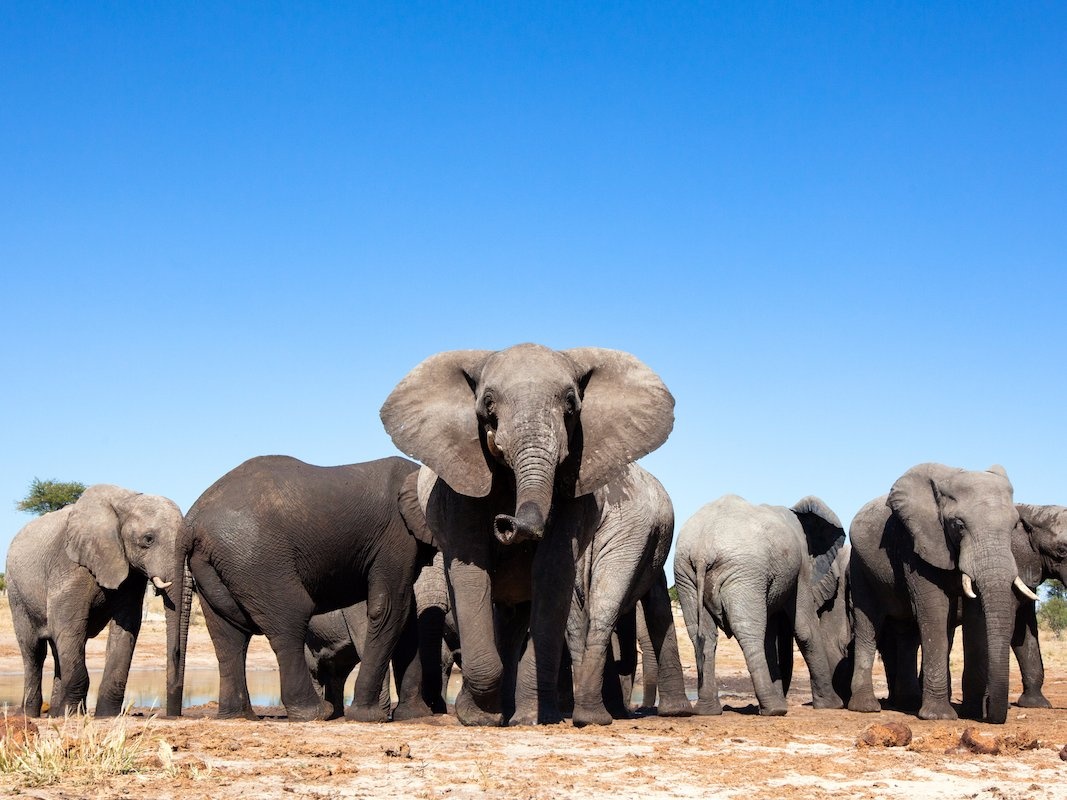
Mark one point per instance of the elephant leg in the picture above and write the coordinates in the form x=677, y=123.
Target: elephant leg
x=33, y=655
x=869, y=618
x=935, y=613
x=1027, y=651
x=665, y=659
x=512, y=624
x=750, y=627
x=703, y=632
x=479, y=700
x=72, y=684
x=121, y=640
x=975, y=668
x=431, y=627
x=408, y=673
x=806, y=632
x=780, y=632
x=649, y=662
x=231, y=649
x=33, y=649
x=553, y=586
x=624, y=649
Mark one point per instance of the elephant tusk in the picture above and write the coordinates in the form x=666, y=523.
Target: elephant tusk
x=490, y=441
x=967, y=588
x=1024, y=590
x=159, y=583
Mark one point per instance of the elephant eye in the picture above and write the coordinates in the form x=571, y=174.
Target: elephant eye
x=570, y=403
x=489, y=407
x=148, y=539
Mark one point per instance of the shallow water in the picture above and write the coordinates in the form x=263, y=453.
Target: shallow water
x=148, y=687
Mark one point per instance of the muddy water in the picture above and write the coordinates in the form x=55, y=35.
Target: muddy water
x=148, y=688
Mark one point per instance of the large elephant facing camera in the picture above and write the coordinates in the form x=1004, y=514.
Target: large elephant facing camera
x=937, y=549
x=516, y=442
x=75, y=570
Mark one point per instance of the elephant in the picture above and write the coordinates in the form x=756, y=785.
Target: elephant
x=760, y=573
x=515, y=443
x=332, y=650
x=438, y=637
x=623, y=565
x=275, y=541
x=835, y=623
x=1039, y=545
x=935, y=550
x=75, y=570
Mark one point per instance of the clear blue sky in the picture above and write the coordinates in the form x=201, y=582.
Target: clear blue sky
x=837, y=230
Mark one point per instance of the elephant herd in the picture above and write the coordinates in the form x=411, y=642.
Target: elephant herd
x=530, y=548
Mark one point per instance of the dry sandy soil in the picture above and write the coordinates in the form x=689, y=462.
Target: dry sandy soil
x=806, y=754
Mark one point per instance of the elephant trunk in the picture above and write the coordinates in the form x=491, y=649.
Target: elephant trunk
x=535, y=475
x=998, y=609
x=178, y=611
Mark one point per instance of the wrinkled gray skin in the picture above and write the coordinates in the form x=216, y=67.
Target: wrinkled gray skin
x=910, y=550
x=759, y=573
x=1039, y=544
x=438, y=637
x=332, y=647
x=73, y=571
x=835, y=624
x=622, y=565
x=275, y=541
x=515, y=443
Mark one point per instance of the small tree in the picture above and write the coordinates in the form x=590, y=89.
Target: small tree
x=45, y=496
x=1052, y=613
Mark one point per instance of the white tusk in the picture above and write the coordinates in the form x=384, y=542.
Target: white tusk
x=1024, y=590
x=967, y=588
x=159, y=583
x=490, y=441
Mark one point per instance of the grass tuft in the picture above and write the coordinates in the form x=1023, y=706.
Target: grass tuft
x=78, y=749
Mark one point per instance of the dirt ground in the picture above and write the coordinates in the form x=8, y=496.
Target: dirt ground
x=806, y=754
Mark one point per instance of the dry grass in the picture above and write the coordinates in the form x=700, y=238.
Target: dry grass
x=78, y=750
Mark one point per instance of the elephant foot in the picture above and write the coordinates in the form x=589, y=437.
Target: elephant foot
x=937, y=709
x=415, y=709
x=865, y=703
x=468, y=712
x=246, y=713
x=368, y=713
x=675, y=707
x=590, y=715
x=774, y=710
x=831, y=702
x=437, y=705
x=1033, y=700
x=318, y=711
x=707, y=708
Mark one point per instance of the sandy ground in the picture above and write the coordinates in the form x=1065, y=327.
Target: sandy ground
x=806, y=754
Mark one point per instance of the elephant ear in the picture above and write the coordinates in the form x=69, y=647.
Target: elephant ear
x=627, y=412
x=914, y=498
x=1047, y=529
x=93, y=534
x=411, y=511
x=825, y=536
x=430, y=416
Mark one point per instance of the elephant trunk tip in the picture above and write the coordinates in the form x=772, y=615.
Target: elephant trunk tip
x=528, y=523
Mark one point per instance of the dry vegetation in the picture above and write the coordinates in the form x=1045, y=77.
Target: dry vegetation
x=825, y=754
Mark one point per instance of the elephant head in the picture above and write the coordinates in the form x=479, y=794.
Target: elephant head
x=111, y=529
x=563, y=422
x=1046, y=530
x=961, y=521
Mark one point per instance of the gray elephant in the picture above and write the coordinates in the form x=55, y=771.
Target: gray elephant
x=275, y=541
x=332, y=650
x=835, y=622
x=516, y=443
x=940, y=535
x=75, y=570
x=623, y=565
x=1039, y=544
x=760, y=573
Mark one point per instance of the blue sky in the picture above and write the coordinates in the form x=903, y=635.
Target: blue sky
x=836, y=230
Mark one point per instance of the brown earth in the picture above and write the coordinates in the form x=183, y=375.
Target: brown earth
x=806, y=754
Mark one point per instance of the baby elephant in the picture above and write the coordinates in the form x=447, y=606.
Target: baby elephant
x=759, y=573
x=75, y=570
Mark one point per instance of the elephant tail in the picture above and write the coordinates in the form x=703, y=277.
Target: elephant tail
x=700, y=570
